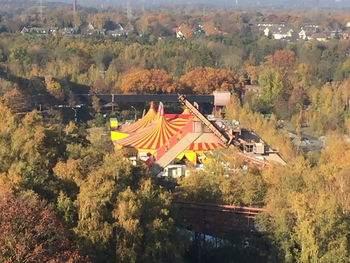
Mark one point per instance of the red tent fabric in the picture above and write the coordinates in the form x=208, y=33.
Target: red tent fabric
x=153, y=136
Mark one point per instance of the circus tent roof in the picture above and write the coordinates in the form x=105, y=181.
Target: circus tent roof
x=149, y=117
x=202, y=146
x=154, y=136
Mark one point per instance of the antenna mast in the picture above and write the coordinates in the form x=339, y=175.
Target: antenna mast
x=41, y=10
x=74, y=6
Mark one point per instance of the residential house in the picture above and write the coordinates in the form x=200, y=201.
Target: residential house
x=335, y=33
x=92, y=31
x=268, y=24
x=307, y=30
x=346, y=31
x=184, y=31
x=280, y=32
x=210, y=29
x=118, y=33
x=39, y=30
x=70, y=31
x=319, y=37
x=199, y=31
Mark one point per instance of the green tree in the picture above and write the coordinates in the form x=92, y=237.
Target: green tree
x=271, y=88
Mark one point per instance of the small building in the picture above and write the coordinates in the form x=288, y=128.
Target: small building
x=335, y=33
x=117, y=33
x=221, y=99
x=210, y=29
x=284, y=33
x=184, y=31
x=280, y=32
x=71, y=31
x=322, y=37
x=97, y=32
x=39, y=30
x=173, y=171
x=307, y=30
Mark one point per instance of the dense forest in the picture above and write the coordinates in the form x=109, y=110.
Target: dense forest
x=67, y=196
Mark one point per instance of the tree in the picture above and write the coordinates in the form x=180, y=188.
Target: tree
x=31, y=232
x=154, y=81
x=146, y=231
x=283, y=61
x=123, y=216
x=271, y=88
x=206, y=80
x=96, y=104
x=15, y=100
x=54, y=88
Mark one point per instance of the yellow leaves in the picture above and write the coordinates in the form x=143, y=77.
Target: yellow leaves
x=5, y=185
x=70, y=128
x=55, y=89
x=7, y=120
x=299, y=206
x=70, y=170
x=335, y=156
x=125, y=212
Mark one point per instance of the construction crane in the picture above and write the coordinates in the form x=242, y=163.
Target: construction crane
x=225, y=138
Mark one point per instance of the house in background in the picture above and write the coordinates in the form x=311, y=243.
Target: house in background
x=184, y=31
x=280, y=32
x=307, y=30
x=68, y=31
x=210, y=29
x=90, y=31
x=40, y=30
x=319, y=37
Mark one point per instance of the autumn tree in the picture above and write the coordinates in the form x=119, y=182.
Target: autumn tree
x=123, y=216
x=154, y=81
x=217, y=183
x=283, y=61
x=54, y=88
x=15, y=100
x=31, y=232
x=206, y=80
x=307, y=208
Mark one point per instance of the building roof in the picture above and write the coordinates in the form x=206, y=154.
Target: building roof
x=186, y=30
x=210, y=29
x=149, y=117
x=154, y=135
x=318, y=36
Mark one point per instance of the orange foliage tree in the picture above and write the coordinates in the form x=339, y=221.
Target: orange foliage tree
x=283, y=61
x=206, y=80
x=31, y=232
x=15, y=100
x=154, y=81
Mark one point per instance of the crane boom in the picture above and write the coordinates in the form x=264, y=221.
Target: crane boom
x=221, y=135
